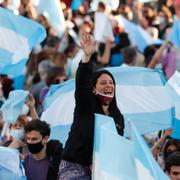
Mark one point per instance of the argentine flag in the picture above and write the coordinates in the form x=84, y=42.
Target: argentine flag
x=60, y=103
x=137, y=34
x=146, y=165
x=174, y=35
x=173, y=89
x=10, y=166
x=18, y=36
x=141, y=97
x=12, y=107
x=117, y=158
x=112, y=155
x=52, y=10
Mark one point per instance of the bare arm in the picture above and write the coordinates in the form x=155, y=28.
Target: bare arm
x=156, y=149
x=107, y=52
x=31, y=104
x=156, y=58
x=88, y=45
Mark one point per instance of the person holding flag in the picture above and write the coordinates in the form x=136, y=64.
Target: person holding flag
x=94, y=93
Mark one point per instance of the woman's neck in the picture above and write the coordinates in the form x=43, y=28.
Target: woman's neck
x=106, y=109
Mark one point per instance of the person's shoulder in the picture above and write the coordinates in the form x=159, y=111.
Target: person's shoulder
x=53, y=146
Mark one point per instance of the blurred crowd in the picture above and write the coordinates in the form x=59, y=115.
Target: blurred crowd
x=56, y=60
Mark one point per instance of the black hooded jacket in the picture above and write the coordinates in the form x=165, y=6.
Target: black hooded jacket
x=79, y=146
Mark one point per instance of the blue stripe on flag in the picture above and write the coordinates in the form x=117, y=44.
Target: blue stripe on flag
x=20, y=35
x=136, y=76
x=57, y=90
x=7, y=54
x=22, y=26
x=176, y=129
x=153, y=121
x=60, y=132
x=138, y=35
x=145, y=158
x=14, y=69
x=174, y=35
x=116, y=155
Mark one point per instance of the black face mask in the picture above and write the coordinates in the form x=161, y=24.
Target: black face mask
x=35, y=148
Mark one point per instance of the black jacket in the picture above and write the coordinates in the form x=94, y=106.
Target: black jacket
x=54, y=149
x=79, y=146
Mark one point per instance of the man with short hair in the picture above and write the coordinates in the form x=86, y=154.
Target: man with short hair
x=43, y=161
x=172, y=166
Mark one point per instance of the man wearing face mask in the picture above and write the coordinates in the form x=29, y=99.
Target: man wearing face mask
x=43, y=160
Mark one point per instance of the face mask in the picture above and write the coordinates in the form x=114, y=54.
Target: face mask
x=17, y=134
x=35, y=148
x=78, y=21
x=105, y=99
x=161, y=20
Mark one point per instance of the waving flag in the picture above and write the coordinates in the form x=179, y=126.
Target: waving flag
x=60, y=100
x=173, y=89
x=105, y=30
x=12, y=107
x=18, y=36
x=146, y=165
x=112, y=156
x=141, y=96
x=10, y=164
x=58, y=89
x=137, y=34
x=174, y=35
x=52, y=10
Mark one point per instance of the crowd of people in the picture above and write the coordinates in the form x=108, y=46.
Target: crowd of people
x=77, y=54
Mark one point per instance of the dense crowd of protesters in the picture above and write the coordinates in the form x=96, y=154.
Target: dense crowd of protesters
x=57, y=59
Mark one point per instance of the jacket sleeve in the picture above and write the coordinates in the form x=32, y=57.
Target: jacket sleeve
x=84, y=86
x=54, y=150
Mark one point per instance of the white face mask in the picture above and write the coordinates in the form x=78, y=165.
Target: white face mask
x=78, y=21
x=24, y=110
x=161, y=20
x=17, y=134
x=105, y=99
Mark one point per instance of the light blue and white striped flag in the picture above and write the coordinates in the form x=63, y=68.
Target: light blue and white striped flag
x=173, y=89
x=18, y=36
x=60, y=102
x=10, y=165
x=146, y=165
x=52, y=10
x=141, y=96
x=11, y=109
x=112, y=155
x=137, y=34
x=174, y=35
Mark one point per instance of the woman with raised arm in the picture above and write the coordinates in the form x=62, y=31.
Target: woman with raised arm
x=95, y=93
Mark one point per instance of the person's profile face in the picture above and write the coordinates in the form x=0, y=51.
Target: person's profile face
x=174, y=173
x=33, y=137
x=105, y=85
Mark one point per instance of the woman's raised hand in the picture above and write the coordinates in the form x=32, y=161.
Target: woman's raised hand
x=88, y=45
